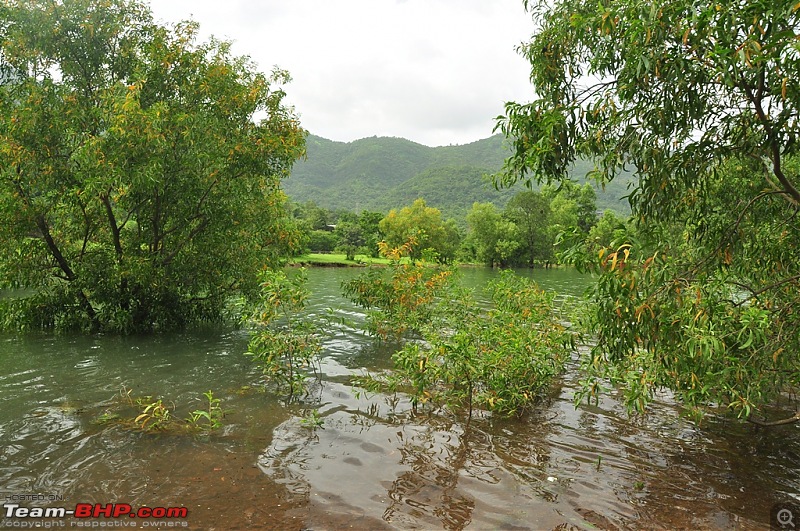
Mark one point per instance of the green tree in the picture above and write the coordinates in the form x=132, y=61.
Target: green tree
x=370, y=227
x=587, y=207
x=424, y=225
x=530, y=212
x=136, y=190
x=572, y=205
x=701, y=99
x=317, y=217
x=507, y=248
x=451, y=241
x=495, y=240
x=483, y=220
x=350, y=238
x=563, y=214
x=345, y=216
x=321, y=241
x=610, y=228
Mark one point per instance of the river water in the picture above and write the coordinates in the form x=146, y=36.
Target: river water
x=372, y=464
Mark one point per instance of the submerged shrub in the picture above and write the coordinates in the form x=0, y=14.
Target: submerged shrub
x=284, y=344
x=501, y=358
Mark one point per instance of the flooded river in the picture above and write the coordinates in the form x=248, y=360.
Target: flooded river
x=371, y=464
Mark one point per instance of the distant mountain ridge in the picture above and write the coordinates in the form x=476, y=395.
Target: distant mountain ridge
x=381, y=173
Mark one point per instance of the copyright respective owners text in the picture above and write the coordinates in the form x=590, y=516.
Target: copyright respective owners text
x=49, y=511
x=785, y=516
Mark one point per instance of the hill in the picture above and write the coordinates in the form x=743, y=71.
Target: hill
x=381, y=173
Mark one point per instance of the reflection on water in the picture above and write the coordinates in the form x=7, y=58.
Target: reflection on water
x=372, y=464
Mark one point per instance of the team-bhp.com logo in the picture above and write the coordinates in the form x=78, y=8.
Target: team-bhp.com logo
x=16, y=514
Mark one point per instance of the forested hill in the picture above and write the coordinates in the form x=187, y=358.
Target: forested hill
x=381, y=173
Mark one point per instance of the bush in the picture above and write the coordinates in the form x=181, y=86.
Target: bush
x=456, y=353
x=322, y=241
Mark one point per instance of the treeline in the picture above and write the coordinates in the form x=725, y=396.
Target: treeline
x=523, y=233
x=381, y=173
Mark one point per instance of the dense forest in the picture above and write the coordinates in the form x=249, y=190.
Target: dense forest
x=524, y=233
x=350, y=196
x=381, y=173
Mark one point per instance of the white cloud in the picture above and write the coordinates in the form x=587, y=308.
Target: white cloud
x=434, y=71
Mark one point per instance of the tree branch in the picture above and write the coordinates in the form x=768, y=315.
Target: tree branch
x=782, y=422
x=112, y=222
x=774, y=145
x=194, y=232
x=756, y=293
x=694, y=269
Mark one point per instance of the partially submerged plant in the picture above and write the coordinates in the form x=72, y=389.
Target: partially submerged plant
x=459, y=354
x=210, y=417
x=155, y=416
x=107, y=417
x=285, y=345
x=312, y=420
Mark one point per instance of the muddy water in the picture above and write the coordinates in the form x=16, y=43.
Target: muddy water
x=372, y=464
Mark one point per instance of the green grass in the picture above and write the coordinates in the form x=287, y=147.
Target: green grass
x=337, y=259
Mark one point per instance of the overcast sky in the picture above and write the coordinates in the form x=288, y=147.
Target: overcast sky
x=434, y=71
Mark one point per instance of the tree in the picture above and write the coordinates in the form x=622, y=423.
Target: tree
x=350, y=238
x=496, y=240
x=701, y=99
x=530, y=212
x=345, y=216
x=508, y=247
x=321, y=241
x=587, y=207
x=370, y=227
x=483, y=220
x=610, y=228
x=572, y=205
x=563, y=214
x=424, y=224
x=136, y=191
x=318, y=218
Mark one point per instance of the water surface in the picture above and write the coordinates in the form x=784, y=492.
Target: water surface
x=373, y=464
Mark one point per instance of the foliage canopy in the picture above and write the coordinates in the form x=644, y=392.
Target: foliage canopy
x=136, y=190
x=525, y=232
x=701, y=99
x=425, y=226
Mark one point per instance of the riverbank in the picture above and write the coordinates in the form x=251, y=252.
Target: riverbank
x=336, y=260
x=362, y=260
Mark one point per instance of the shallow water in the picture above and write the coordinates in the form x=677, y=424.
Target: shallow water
x=372, y=464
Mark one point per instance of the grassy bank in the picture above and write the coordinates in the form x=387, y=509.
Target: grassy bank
x=336, y=260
